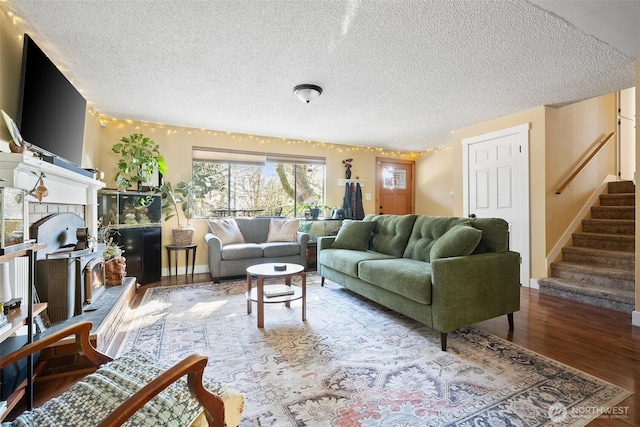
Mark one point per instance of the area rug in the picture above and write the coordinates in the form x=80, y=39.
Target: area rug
x=355, y=363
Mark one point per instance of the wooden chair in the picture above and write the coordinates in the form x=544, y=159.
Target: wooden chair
x=212, y=405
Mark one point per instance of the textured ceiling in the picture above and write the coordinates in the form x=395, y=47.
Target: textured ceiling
x=398, y=74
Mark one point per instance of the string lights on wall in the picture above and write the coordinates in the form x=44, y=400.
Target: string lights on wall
x=237, y=137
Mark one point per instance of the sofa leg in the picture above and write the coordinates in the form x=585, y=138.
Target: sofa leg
x=510, y=320
x=322, y=281
x=443, y=341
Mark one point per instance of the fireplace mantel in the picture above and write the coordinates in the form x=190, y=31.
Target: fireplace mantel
x=22, y=170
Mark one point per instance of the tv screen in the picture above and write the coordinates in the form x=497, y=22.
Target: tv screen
x=52, y=112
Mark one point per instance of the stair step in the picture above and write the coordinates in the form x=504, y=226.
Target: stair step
x=611, y=242
x=613, y=212
x=609, y=226
x=621, y=187
x=599, y=257
x=588, y=275
x=618, y=300
x=618, y=199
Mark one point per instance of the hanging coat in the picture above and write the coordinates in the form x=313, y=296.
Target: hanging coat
x=358, y=212
x=346, y=202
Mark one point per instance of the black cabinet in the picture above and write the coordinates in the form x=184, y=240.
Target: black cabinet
x=142, y=249
x=135, y=223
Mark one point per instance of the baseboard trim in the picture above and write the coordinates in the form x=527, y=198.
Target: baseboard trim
x=534, y=284
x=635, y=318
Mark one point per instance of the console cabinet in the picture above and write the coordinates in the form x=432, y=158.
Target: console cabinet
x=134, y=220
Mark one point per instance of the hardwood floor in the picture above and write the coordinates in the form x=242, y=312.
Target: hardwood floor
x=598, y=341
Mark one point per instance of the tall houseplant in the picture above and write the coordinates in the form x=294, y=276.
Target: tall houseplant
x=185, y=194
x=140, y=158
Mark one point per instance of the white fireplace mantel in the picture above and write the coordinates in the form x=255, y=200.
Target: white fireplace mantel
x=22, y=170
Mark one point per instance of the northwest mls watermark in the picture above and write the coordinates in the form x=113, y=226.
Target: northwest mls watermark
x=559, y=413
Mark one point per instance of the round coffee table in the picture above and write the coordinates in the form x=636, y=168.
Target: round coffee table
x=268, y=270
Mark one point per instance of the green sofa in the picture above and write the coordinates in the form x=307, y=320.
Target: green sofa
x=445, y=272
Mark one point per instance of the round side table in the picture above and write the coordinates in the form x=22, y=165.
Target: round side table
x=268, y=270
x=174, y=250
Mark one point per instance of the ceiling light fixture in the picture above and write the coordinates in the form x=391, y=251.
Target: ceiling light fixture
x=307, y=92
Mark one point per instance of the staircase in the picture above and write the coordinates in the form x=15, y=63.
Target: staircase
x=599, y=268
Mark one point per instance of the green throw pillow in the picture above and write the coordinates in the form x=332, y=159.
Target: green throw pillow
x=354, y=235
x=460, y=240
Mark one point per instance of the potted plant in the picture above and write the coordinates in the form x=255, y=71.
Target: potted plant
x=140, y=159
x=186, y=194
x=313, y=206
x=115, y=265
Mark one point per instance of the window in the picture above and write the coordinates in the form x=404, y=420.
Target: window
x=237, y=183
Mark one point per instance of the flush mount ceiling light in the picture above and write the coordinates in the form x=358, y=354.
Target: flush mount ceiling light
x=307, y=92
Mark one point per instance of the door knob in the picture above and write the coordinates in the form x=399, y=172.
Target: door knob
x=472, y=216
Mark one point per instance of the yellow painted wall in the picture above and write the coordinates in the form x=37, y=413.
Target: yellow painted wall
x=176, y=144
x=10, y=66
x=571, y=132
x=434, y=182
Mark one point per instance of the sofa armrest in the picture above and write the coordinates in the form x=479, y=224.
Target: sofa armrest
x=474, y=288
x=325, y=242
x=214, y=254
x=193, y=366
x=82, y=332
x=303, y=240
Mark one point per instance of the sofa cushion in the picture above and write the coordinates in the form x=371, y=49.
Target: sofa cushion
x=460, y=240
x=406, y=277
x=254, y=230
x=346, y=261
x=226, y=230
x=241, y=251
x=425, y=232
x=391, y=233
x=354, y=235
x=495, y=235
x=283, y=230
x=279, y=249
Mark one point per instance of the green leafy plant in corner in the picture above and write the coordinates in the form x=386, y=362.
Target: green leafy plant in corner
x=185, y=193
x=140, y=158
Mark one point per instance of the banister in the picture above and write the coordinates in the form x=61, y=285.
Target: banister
x=585, y=162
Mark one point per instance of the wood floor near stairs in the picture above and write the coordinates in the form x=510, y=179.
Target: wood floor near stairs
x=599, y=341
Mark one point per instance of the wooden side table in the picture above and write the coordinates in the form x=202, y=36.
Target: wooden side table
x=265, y=271
x=175, y=249
x=312, y=255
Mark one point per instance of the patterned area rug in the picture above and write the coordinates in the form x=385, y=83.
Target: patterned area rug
x=355, y=363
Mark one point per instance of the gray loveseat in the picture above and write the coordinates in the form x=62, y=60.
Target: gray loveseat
x=445, y=272
x=232, y=259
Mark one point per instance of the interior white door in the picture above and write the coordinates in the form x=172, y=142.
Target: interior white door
x=496, y=184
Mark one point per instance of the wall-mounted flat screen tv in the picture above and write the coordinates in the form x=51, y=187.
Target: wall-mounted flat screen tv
x=51, y=113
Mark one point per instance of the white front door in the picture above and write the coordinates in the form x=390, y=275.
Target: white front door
x=496, y=184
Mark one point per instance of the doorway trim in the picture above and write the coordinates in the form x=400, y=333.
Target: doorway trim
x=522, y=167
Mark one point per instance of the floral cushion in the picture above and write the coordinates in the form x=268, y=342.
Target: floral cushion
x=93, y=398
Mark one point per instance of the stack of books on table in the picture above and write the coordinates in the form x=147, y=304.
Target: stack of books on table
x=277, y=291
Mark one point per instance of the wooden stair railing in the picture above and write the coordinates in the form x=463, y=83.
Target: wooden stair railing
x=599, y=147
